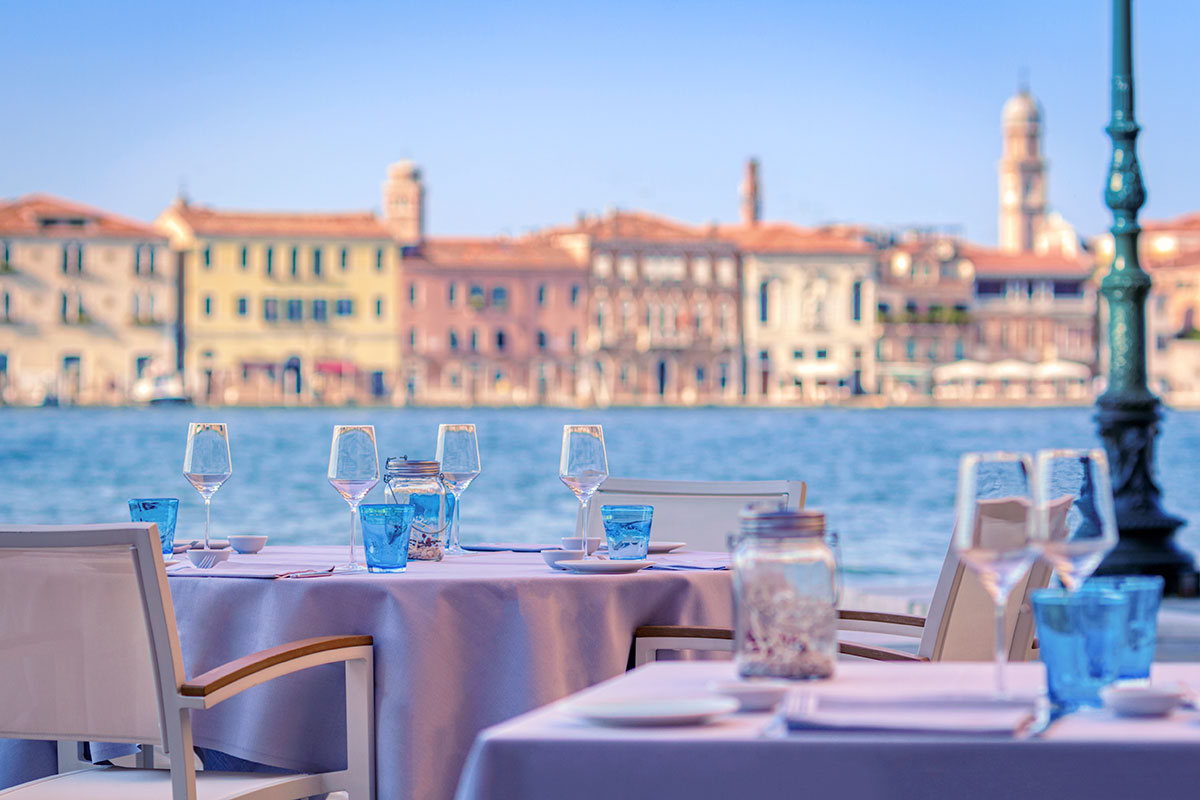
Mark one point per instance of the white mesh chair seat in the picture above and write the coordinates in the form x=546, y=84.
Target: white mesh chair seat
x=89, y=652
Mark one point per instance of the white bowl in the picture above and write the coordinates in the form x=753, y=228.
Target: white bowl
x=753, y=695
x=1141, y=701
x=197, y=556
x=552, y=557
x=247, y=544
x=576, y=543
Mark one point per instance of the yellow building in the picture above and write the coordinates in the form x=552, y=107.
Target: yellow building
x=87, y=304
x=282, y=308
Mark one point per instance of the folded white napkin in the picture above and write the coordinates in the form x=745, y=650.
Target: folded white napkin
x=691, y=561
x=238, y=569
x=805, y=710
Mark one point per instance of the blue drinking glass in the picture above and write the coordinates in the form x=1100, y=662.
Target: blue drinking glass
x=628, y=531
x=1141, y=627
x=162, y=511
x=385, y=530
x=1081, y=636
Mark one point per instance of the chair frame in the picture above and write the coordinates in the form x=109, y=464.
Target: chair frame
x=177, y=696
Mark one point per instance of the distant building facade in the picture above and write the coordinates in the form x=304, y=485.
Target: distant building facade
x=286, y=308
x=87, y=304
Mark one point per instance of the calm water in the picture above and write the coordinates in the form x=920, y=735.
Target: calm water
x=885, y=477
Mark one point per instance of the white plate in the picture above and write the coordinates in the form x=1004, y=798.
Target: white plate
x=642, y=712
x=665, y=547
x=1141, y=701
x=596, y=565
x=754, y=695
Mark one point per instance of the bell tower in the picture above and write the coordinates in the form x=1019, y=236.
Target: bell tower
x=751, y=195
x=404, y=202
x=1022, y=175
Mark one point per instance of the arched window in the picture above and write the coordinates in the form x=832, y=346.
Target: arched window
x=453, y=339
x=500, y=340
x=764, y=308
x=541, y=340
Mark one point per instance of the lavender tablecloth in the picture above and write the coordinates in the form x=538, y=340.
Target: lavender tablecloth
x=459, y=645
x=548, y=754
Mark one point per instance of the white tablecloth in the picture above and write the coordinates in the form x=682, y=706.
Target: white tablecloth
x=459, y=645
x=548, y=754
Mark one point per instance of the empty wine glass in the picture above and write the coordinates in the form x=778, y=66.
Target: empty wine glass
x=583, y=467
x=1076, y=521
x=458, y=455
x=993, y=530
x=206, y=463
x=353, y=471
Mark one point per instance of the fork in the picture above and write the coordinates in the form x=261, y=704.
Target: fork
x=207, y=561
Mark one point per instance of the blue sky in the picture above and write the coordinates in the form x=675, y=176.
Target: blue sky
x=524, y=113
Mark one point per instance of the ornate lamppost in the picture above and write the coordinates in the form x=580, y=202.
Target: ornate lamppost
x=1128, y=413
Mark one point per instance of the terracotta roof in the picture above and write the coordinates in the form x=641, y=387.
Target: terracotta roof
x=782, y=237
x=1181, y=260
x=491, y=253
x=46, y=215
x=205, y=221
x=636, y=225
x=988, y=261
x=1185, y=222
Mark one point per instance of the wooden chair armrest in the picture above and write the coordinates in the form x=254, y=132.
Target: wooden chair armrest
x=209, y=683
x=682, y=632
x=879, y=616
x=876, y=653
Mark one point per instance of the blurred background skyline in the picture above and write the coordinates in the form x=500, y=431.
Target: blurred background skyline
x=521, y=115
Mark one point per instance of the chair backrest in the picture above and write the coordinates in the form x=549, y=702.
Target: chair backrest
x=960, y=625
x=88, y=646
x=701, y=513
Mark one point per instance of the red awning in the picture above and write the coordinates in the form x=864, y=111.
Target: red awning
x=336, y=367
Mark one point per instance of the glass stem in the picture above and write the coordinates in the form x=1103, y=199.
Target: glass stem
x=353, y=524
x=207, y=518
x=454, y=522
x=1001, y=655
x=581, y=527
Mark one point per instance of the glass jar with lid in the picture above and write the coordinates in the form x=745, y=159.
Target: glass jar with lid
x=785, y=595
x=418, y=483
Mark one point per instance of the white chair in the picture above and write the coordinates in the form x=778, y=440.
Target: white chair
x=701, y=513
x=959, y=626
x=89, y=652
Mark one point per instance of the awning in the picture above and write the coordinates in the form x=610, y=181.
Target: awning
x=960, y=370
x=1010, y=369
x=1061, y=370
x=336, y=368
x=818, y=369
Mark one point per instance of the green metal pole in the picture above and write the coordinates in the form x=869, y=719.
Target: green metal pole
x=1128, y=413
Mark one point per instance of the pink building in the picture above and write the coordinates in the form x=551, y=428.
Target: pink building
x=491, y=321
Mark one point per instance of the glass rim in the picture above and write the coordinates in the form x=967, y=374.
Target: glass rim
x=616, y=508
x=1058, y=596
x=154, y=500
x=381, y=507
x=1145, y=580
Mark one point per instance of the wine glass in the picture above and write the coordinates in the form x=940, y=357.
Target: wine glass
x=353, y=471
x=1077, y=524
x=994, y=528
x=458, y=455
x=206, y=463
x=583, y=467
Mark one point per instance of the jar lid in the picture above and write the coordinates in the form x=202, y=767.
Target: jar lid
x=775, y=521
x=412, y=469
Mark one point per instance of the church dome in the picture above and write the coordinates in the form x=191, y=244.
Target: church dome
x=1021, y=108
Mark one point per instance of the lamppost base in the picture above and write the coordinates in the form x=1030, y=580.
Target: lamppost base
x=1153, y=555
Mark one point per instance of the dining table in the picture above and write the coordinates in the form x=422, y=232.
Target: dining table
x=557, y=751
x=460, y=644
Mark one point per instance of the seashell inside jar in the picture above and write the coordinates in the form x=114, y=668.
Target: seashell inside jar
x=417, y=483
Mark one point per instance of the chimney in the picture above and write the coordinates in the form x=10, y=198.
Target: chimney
x=751, y=195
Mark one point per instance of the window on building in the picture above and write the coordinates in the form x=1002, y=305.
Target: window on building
x=295, y=262
x=989, y=288
x=724, y=375
x=575, y=294
x=1068, y=289
x=958, y=348
x=474, y=341
x=8, y=307
x=499, y=297
x=245, y=256
x=378, y=306
x=270, y=261
x=320, y=310
x=295, y=310
x=412, y=295
x=316, y=262
x=208, y=304
x=764, y=309
x=270, y=309
x=345, y=307
x=798, y=354
x=541, y=294
x=541, y=340
x=379, y=259
x=137, y=258
x=139, y=366
x=699, y=373
x=243, y=306
x=476, y=298
x=451, y=292
x=822, y=354
x=412, y=339
x=910, y=349
x=500, y=341
x=7, y=253
x=856, y=302
x=208, y=258
x=452, y=338
x=574, y=340
x=65, y=306
x=342, y=259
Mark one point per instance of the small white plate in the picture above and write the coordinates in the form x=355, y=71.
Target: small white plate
x=753, y=695
x=609, y=567
x=1141, y=701
x=644, y=712
x=665, y=547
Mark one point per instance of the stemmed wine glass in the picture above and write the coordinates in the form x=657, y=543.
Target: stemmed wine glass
x=583, y=467
x=994, y=528
x=458, y=455
x=353, y=471
x=1077, y=524
x=206, y=463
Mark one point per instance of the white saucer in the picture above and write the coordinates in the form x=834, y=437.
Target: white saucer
x=609, y=567
x=665, y=547
x=754, y=695
x=642, y=712
x=1141, y=701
